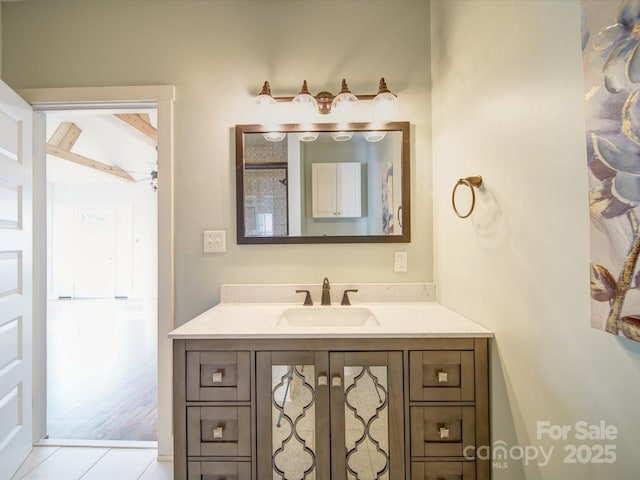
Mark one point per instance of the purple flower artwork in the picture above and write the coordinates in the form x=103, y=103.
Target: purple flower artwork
x=611, y=60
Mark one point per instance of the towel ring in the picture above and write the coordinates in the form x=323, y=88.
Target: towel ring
x=472, y=183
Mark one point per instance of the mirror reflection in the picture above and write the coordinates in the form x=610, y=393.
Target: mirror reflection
x=323, y=184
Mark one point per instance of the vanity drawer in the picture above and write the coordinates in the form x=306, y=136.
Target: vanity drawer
x=218, y=376
x=441, y=376
x=219, y=431
x=219, y=471
x=442, y=431
x=443, y=471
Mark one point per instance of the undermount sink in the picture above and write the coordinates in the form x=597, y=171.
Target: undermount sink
x=327, y=317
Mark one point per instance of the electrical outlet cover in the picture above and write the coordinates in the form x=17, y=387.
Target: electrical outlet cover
x=400, y=263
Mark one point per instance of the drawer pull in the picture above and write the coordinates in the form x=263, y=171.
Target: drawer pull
x=443, y=377
x=216, y=377
x=336, y=381
x=322, y=380
x=443, y=431
x=217, y=433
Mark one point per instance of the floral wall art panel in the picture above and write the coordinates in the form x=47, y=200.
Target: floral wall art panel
x=611, y=59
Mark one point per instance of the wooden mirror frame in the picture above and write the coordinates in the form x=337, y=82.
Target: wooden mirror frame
x=405, y=220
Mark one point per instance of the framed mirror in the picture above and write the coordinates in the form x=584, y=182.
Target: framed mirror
x=323, y=184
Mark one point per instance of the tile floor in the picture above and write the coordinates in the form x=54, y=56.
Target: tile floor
x=93, y=463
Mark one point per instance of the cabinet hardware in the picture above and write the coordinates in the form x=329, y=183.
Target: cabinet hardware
x=443, y=377
x=217, y=432
x=216, y=377
x=322, y=379
x=443, y=431
x=336, y=381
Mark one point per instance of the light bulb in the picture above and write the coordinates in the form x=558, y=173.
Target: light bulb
x=345, y=104
x=374, y=136
x=341, y=136
x=274, y=136
x=307, y=136
x=385, y=104
x=305, y=105
x=265, y=105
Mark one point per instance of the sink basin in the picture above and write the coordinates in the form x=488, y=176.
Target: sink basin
x=327, y=317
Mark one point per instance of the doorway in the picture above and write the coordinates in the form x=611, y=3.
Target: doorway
x=102, y=276
x=162, y=98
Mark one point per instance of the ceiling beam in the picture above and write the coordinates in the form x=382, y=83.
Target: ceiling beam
x=87, y=162
x=60, y=143
x=139, y=125
x=65, y=135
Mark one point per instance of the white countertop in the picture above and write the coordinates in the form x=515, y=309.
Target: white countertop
x=393, y=320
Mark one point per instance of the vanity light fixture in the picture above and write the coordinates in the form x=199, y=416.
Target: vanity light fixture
x=266, y=104
x=305, y=104
x=274, y=136
x=308, y=136
x=341, y=136
x=343, y=104
x=374, y=135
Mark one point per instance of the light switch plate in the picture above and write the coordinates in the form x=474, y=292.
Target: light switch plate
x=214, y=241
x=400, y=264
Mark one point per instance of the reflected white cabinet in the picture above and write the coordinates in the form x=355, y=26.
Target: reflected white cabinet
x=336, y=190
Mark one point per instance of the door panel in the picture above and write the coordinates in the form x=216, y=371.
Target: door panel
x=367, y=388
x=293, y=412
x=15, y=280
x=363, y=392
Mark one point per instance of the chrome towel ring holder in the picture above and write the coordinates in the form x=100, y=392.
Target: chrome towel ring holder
x=471, y=182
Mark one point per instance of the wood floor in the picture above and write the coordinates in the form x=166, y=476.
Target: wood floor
x=102, y=370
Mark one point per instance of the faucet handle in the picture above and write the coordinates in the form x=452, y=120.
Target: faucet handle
x=307, y=298
x=345, y=296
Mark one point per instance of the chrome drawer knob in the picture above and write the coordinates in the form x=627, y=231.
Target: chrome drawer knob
x=217, y=433
x=216, y=377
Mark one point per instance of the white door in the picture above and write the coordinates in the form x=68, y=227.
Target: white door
x=348, y=187
x=323, y=179
x=94, y=255
x=15, y=280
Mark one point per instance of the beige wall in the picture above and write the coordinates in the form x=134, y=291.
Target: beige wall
x=1, y=40
x=508, y=104
x=217, y=53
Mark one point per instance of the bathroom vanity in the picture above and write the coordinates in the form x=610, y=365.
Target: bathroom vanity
x=390, y=390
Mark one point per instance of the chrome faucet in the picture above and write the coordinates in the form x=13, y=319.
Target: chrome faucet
x=326, y=292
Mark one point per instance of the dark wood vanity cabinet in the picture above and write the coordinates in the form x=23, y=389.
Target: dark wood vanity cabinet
x=397, y=409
